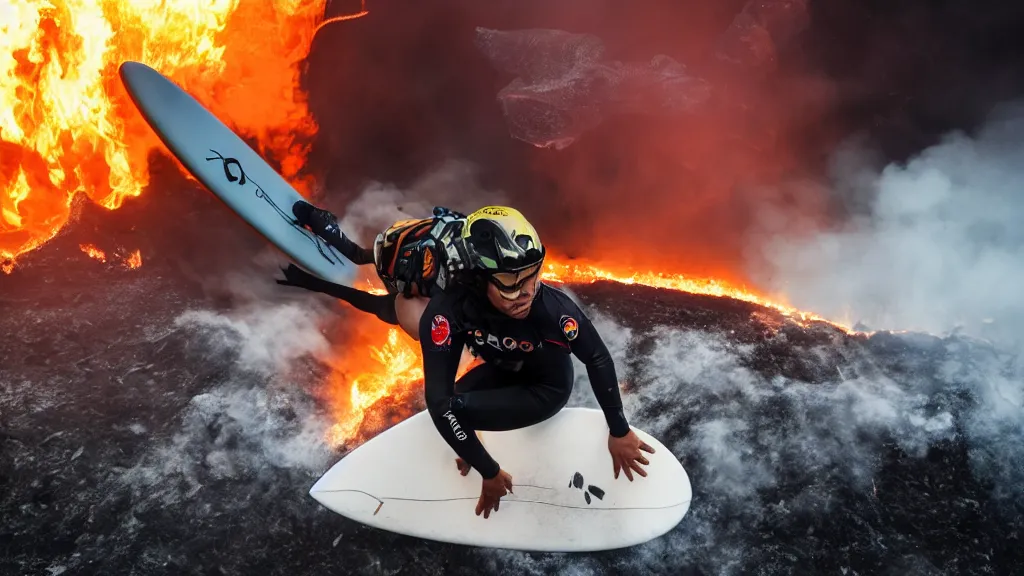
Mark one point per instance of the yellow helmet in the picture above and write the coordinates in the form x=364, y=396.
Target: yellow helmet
x=501, y=242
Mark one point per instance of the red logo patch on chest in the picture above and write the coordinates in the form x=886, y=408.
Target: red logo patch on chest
x=440, y=331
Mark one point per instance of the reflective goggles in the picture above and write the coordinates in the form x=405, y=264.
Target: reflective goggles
x=510, y=284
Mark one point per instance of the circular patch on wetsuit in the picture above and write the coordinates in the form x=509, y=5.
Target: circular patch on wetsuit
x=509, y=343
x=440, y=331
x=526, y=346
x=569, y=327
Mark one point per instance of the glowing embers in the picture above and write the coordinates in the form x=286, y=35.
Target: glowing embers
x=131, y=260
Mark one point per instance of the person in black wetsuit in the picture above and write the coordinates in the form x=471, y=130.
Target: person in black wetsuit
x=524, y=331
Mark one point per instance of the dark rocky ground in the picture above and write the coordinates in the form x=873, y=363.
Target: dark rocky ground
x=154, y=421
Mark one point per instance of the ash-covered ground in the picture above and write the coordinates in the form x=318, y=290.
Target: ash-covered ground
x=166, y=420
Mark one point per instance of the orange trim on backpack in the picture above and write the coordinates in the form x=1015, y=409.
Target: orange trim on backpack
x=399, y=243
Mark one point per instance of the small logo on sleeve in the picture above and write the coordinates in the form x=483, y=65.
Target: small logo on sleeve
x=570, y=327
x=460, y=434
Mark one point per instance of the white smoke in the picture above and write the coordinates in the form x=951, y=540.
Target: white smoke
x=745, y=426
x=739, y=433
x=940, y=247
x=267, y=339
x=936, y=245
x=454, y=185
x=993, y=428
x=260, y=416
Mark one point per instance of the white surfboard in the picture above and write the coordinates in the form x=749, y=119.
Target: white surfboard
x=232, y=170
x=565, y=496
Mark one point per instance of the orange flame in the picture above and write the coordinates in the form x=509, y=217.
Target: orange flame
x=68, y=127
x=385, y=371
x=587, y=273
x=93, y=252
x=134, y=260
x=369, y=378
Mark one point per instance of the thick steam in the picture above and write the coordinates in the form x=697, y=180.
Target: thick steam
x=258, y=422
x=938, y=245
x=767, y=453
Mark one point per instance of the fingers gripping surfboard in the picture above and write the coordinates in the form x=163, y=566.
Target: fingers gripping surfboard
x=231, y=169
x=565, y=496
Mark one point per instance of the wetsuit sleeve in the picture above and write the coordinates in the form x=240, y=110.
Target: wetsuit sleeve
x=588, y=346
x=441, y=344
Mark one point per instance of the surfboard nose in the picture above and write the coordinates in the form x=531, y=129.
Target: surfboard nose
x=144, y=84
x=130, y=67
x=319, y=487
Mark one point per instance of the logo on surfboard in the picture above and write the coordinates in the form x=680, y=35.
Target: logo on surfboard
x=242, y=178
x=577, y=482
x=228, y=163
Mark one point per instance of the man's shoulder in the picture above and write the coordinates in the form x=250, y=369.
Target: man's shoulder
x=452, y=302
x=451, y=296
x=561, y=313
x=557, y=300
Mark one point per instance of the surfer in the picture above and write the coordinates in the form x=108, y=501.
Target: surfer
x=524, y=330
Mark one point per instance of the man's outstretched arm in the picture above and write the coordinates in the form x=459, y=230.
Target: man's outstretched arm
x=442, y=350
x=624, y=445
x=588, y=346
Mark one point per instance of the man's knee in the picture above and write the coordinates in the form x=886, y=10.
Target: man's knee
x=556, y=402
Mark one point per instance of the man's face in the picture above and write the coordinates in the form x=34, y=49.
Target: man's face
x=517, y=306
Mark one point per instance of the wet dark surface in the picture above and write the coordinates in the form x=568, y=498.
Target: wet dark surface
x=139, y=438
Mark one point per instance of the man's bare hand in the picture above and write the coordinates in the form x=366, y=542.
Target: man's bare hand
x=491, y=492
x=626, y=455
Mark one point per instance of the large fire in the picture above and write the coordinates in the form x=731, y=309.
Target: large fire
x=68, y=127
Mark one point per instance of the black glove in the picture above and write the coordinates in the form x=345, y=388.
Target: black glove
x=295, y=276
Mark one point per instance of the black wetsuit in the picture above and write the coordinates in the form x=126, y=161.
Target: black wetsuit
x=527, y=374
